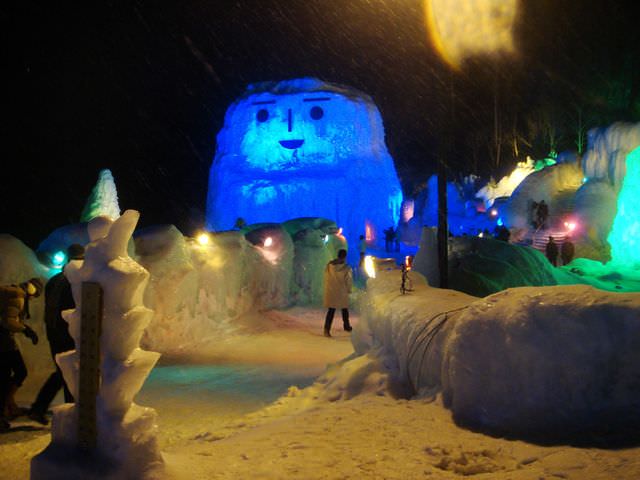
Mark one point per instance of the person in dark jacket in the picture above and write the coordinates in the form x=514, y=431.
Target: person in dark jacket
x=567, y=251
x=543, y=214
x=57, y=298
x=551, y=251
x=14, y=309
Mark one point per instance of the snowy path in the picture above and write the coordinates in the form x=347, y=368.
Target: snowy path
x=212, y=424
x=221, y=381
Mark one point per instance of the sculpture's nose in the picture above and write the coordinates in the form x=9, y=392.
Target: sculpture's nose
x=289, y=120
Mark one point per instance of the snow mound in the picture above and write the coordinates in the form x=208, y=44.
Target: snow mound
x=546, y=359
x=523, y=361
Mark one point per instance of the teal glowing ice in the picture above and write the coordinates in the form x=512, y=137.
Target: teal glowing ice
x=624, y=237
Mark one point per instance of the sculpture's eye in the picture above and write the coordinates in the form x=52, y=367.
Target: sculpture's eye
x=316, y=113
x=262, y=115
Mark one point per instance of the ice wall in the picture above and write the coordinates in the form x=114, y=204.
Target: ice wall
x=304, y=148
x=203, y=292
x=625, y=234
x=607, y=151
x=198, y=291
x=126, y=433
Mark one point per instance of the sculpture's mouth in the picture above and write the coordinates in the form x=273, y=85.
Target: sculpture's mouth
x=291, y=144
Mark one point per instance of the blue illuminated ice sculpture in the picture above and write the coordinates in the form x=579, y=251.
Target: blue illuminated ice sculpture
x=304, y=148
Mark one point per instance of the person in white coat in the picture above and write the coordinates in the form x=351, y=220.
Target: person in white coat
x=337, y=286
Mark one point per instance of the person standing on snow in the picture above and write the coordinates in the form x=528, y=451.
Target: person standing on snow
x=14, y=309
x=567, y=251
x=551, y=251
x=337, y=286
x=362, y=246
x=57, y=298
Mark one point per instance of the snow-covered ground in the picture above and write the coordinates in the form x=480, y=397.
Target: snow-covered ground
x=214, y=422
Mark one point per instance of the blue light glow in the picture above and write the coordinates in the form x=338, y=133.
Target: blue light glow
x=304, y=148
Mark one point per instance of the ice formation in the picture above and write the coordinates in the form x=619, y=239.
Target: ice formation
x=522, y=361
x=507, y=184
x=198, y=292
x=556, y=185
x=605, y=158
x=126, y=432
x=103, y=200
x=305, y=148
x=625, y=234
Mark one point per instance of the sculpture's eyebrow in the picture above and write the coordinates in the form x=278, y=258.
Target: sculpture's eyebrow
x=263, y=102
x=316, y=99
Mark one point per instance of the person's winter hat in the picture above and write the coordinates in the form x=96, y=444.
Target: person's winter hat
x=75, y=252
x=37, y=284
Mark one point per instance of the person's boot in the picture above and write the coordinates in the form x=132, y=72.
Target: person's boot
x=38, y=416
x=327, y=333
x=4, y=424
x=12, y=410
x=347, y=327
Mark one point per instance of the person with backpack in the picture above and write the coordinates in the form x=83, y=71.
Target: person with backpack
x=14, y=310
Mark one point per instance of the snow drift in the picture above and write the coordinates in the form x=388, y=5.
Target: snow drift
x=522, y=361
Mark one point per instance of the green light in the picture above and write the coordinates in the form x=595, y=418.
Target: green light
x=624, y=237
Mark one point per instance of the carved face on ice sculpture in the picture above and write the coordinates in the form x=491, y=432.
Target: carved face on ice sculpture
x=291, y=131
x=303, y=148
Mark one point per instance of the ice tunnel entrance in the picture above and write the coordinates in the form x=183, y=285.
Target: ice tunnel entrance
x=625, y=232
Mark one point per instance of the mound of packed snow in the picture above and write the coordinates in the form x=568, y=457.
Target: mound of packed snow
x=523, y=361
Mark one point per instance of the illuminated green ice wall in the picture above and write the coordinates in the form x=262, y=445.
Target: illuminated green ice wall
x=625, y=233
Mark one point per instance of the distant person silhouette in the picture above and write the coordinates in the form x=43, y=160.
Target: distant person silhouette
x=389, y=235
x=362, y=247
x=567, y=251
x=543, y=214
x=551, y=251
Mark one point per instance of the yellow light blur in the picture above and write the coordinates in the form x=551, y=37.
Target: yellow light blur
x=369, y=266
x=459, y=29
x=268, y=242
x=203, y=239
x=408, y=262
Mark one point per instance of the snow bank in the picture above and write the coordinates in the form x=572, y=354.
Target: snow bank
x=523, y=361
x=126, y=433
x=197, y=291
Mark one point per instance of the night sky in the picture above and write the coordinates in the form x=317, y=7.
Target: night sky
x=141, y=88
